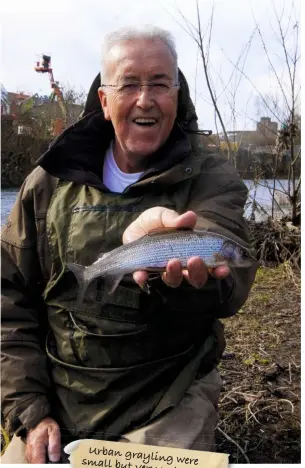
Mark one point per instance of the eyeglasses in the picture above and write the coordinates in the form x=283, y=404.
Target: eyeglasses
x=131, y=89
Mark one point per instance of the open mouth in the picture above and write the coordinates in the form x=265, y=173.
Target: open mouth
x=148, y=122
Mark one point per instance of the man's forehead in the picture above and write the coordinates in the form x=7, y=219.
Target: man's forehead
x=133, y=58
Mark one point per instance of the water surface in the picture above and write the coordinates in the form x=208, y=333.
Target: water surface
x=262, y=194
x=8, y=197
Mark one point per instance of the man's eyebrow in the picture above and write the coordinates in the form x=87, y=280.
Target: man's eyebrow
x=157, y=76
x=130, y=78
x=160, y=76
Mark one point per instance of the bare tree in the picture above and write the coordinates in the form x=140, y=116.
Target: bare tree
x=198, y=35
x=74, y=102
x=283, y=106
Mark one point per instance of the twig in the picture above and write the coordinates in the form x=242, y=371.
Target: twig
x=289, y=402
x=251, y=412
x=234, y=442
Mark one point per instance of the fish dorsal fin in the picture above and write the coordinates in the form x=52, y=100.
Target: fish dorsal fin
x=102, y=256
x=202, y=231
x=170, y=230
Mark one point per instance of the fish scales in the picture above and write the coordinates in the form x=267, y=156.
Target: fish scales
x=153, y=251
x=157, y=252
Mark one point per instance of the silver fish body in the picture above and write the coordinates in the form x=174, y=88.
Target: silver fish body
x=153, y=251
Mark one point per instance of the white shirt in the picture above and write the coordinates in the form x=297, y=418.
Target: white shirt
x=114, y=179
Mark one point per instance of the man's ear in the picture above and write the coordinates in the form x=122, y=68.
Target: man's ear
x=104, y=103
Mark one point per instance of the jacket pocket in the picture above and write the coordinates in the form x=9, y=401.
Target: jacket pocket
x=115, y=371
x=112, y=343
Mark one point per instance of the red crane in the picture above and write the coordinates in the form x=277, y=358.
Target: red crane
x=44, y=66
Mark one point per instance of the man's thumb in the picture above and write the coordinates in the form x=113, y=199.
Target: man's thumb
x=157, y=217
x=54, y=446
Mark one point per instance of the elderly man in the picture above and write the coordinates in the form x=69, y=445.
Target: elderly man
x=128, y=366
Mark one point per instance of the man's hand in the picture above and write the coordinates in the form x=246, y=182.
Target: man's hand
x=43, y=440
x=158, y=218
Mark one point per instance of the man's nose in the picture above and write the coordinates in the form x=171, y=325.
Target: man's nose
x=145, y=97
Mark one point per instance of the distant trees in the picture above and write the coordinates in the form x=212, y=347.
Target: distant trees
x=41, y=115
x=27, y=135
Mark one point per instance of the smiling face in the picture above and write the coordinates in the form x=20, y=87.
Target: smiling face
x=143, y=120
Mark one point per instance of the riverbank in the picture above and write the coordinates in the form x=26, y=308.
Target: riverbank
x=261, y=371
x=259, y=407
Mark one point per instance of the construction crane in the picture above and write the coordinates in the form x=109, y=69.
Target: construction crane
x=44, y=66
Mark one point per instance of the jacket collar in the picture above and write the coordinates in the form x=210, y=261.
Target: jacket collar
x=77, y=154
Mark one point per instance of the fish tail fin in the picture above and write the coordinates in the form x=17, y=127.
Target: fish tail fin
x=79, y=272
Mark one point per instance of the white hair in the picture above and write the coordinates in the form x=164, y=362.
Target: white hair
x=147, y=32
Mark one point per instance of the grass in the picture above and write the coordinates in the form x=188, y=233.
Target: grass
x=260, y=402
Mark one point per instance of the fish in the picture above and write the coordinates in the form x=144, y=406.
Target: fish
x=152, y=252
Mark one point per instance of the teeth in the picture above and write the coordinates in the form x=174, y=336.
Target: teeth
x=145, y=121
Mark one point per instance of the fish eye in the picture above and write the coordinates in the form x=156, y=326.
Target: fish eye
x=229, y=250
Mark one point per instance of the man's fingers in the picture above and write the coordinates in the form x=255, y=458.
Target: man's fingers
x=42, y=438
x=36, y=452
x=220, y=272
x=158, y=218
x=186, y=220
x=153, y=218
x=197, y=272
x=140, y=277
x=171, y=219
x=173, y=274
x=54, y=447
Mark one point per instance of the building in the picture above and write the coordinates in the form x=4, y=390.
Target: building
x=36, y=114
x=11, y=104
x=264, y=135
x=267, y=128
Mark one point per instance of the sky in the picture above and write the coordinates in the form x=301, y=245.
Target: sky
x=71, y=31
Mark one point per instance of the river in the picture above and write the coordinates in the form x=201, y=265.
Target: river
x=262, y=194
